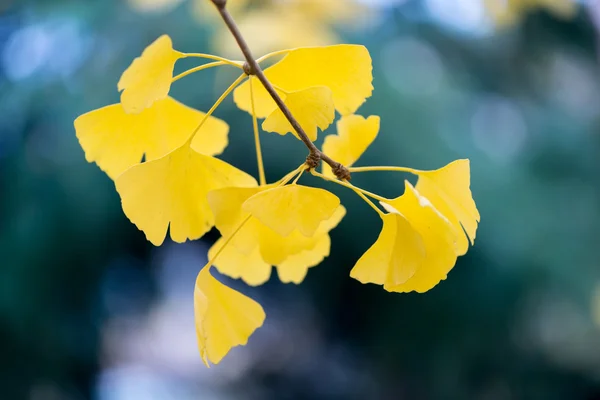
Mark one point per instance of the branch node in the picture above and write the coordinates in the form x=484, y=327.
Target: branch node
x=248, y=68
x=341, y=172
x=313, y=160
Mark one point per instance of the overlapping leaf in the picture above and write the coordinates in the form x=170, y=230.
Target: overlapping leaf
x=116, y=140
x=354, y=135
x=312, y=108
x=344, y=69
x=415, y=250
x=439, y=240
x=292, y=207
x=172, y=191
x=448, y=189
x=395, y=256
x=258, y=246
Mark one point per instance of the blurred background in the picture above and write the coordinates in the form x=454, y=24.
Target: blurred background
x=90, y=310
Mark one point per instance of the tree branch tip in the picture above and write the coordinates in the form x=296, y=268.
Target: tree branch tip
x=219, y=3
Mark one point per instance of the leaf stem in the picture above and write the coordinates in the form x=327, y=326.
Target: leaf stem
x=349, y=186
x=259, y=159
x=273, y=54
x=196, y=69
x=224, y=60
x=227, y=241
x=369, y=202
x=251, y=67
x=217, y=103
x=290, y=175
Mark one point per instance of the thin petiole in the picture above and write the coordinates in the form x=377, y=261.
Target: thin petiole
x=298, y=177
x=290, y=175
x=369, y=202
x=349, y=186
x=227, y=241
x=275, y=53
x=217, y=103
x=259, y=159
x=280, y=90
x=216, y=58
x=196, y=69
x=370, y=169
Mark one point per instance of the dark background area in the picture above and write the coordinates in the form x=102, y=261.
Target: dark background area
x=89, y=309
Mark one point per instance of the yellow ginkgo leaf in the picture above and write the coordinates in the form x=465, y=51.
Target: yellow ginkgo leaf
x=224, y=317
x=254, y=270
x=295, y=267
x=448, y=189
x=231, y=262
x=263, y=102
x=116, y=140
x=256, y=247
x=312, y=108
x=149, y=76
x=172, y=190
x=345, y=69
x=287, y=208
x=438, y=236
x=276, y=249
x=354, y=135
x=395, y=256
x=226, y=205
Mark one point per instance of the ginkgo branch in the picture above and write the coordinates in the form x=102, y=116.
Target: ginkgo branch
x=251, y=67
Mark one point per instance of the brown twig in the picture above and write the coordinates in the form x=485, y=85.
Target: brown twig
x=251, y=67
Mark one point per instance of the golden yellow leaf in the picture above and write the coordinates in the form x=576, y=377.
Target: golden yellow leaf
x=287, y=208
x=276, y=249
x=172, y=191
x=345, y=69
x=224, y=317
x=312, y=108
x=395, y=256
x=254, y=270
x=254, y=236
x=116, y=140
x=438, y=238
x=231, y=262
x=149, y=76
x=354, y=135
x=295, y=267
x=448, y=189
x=263, y=102
x=226, y=205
